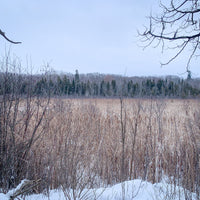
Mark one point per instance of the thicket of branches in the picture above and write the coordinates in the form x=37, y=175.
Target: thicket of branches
x=22, y=122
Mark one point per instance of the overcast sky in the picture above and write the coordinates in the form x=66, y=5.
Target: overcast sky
x=88, y=35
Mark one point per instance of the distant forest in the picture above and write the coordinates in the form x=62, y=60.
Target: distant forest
x=100, y=85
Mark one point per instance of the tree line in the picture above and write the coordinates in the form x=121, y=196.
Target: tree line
x=99, y=85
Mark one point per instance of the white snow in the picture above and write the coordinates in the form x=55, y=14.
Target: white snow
x=3, y=196
x=135, y=189
x=11, y=192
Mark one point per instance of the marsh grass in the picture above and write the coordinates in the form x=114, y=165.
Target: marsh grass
x=81, y=147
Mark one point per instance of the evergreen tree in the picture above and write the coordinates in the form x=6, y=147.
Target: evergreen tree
x=77, y=83
x=95, y=89
x=73, y=87
x=83, y=89
x=66, y=84
x=88, y=89
x=160, y=87
x=51, y=86
x=41, y=87
x=114, y=87
x=60, y=86
x=108, y=89
x=77, y=79
x=102, y=88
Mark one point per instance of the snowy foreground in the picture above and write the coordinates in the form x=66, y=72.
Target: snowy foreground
x=136, y=189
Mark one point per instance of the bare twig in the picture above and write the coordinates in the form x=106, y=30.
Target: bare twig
x=26, y=187
x=178, y=24
x=11, y=41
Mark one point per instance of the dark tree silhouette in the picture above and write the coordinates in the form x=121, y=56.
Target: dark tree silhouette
x=179, y=23
x=3, y=34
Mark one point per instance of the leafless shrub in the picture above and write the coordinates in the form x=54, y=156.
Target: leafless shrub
x=22, y=122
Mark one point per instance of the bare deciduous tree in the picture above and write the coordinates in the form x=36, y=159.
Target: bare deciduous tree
x=179, y=23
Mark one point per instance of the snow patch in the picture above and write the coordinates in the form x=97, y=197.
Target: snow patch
x=135, y=189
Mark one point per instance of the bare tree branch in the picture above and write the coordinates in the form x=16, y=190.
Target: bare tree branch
x=179, y=24
x=3, y=34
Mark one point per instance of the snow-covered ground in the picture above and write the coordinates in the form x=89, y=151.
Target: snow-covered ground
x=136, y=189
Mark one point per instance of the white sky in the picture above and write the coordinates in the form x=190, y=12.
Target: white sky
x=88, y=35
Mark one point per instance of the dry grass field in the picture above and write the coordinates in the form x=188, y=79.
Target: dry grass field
x=93, y=142
x=103, y=141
